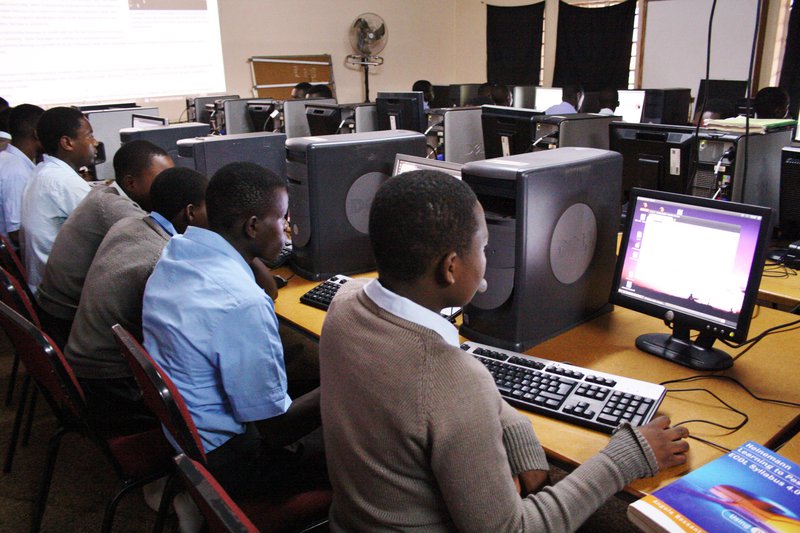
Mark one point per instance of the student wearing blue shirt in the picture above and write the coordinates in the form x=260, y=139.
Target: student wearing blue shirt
x=213, y=329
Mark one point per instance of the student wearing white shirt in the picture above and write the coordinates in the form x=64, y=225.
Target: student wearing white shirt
x=17, y=163
x=572, y=99
x=56, y=188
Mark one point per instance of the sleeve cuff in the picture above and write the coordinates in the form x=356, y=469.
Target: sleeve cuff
x=630, y=450
x=523, y=449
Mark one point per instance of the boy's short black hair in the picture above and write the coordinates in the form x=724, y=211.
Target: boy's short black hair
x=55, y=123
x=134, y=157
x=320, y=91
x=22, y=120
x=175, y=188
x=416, y=218
x=770, y=101
x=240, y=190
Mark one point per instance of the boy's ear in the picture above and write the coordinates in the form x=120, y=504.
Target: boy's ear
x=447, y=269
x=249, y=227
x=65, y=142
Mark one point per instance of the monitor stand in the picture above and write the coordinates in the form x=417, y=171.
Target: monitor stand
x=679, y=348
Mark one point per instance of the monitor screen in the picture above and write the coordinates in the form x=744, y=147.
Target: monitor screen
x=654, y=156
x=630, y=105
x=507, y=130
x=401, y=111
x=697, y=264
x=407, y=163
x=547, y=97
x=147, y=121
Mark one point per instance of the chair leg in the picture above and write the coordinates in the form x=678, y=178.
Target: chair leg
x=26, y=436
x=47, y=478
x=170, y=489
x=111, y=506
x=12, y=443
x=12, y=380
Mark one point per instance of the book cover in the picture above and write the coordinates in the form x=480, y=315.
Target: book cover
x=757, y=125
x=750, y=489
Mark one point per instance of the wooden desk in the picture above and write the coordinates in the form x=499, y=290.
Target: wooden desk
x=607, y=343
x=791, y=450
x=780, y=287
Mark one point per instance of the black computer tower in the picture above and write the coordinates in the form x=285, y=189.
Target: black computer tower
x=719, y=169
x=666, y=106
x=552, y=219
x=332, y=181
x=789, y=219
x=209, y=154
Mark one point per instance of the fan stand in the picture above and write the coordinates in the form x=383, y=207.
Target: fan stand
x=365, y=62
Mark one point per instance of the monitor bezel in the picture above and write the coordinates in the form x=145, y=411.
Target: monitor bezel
x=435, y=164
x=739, y=333
x=155, y=121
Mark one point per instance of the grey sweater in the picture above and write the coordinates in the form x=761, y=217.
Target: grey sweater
x=113, y=294
x=417, y=437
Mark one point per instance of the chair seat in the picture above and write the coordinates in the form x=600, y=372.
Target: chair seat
x=275, y=515
x=142, y=454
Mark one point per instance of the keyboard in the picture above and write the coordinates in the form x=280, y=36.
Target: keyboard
x=321, y=295
x=588, y=398
x=286, y=253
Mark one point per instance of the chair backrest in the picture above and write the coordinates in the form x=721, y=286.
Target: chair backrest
x=46, y=365
x=11, y=261
x=14, y=295
x=161, y=395
x=219, y=510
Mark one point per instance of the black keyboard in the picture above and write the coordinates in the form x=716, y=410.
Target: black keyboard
x=321, y=295
x=560, y=390
x=286, y=253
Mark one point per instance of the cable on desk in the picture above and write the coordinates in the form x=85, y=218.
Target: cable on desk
x=732, y=429
x=719, y=447
x=782, y=328
x=778, y=270
x=735, y=382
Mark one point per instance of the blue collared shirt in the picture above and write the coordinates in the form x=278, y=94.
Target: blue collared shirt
x=406, y=309
x=215, y=333
x=15, y=171
x=165, y=224
x=564, y=108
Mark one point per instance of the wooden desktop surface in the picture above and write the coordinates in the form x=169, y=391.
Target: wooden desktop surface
x=791, y=450
x=770, y=369
x=780, y=286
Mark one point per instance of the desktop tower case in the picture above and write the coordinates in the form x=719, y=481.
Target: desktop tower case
x=552, y=219
x=789, y=219
x=332, y=181
x=196, y=110
x=208, y=154
x=106, y=124
x=720, y=167
x=459, y=132
x=666, y=106
x=587, y=130
x=294, y=116
x=166, y=137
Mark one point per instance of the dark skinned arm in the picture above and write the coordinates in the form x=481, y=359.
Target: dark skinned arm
x=302, y=418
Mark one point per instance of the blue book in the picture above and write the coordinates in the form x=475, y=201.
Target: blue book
x=751, y=489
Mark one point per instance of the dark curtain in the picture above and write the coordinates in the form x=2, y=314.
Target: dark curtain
x=790, y=71
x=593, y=47
x=514, y=44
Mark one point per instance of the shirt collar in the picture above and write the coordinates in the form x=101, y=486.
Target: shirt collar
x=217, y=242
x=11, y=149
x=406, y=309
x=165, y=224
x=58, y=162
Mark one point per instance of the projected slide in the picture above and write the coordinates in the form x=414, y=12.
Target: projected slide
x=79, y=51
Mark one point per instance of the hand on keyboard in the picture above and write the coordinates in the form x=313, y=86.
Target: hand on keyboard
x=668, y=443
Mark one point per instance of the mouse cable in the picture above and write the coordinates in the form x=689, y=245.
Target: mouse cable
x=736, y=382
x=731, y=429
x=719, y=447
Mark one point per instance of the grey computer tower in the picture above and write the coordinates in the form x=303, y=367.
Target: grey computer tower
x=294, y=116
x=232, y=115
x=789, y=219
x=166, y=137
x=719, y=170
x=457, y=133
x=106, y=124
x=552, y=219
x=332, y=181
x=209, y=154
x=586, y=130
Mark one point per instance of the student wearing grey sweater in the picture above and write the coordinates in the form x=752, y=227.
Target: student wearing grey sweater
x=417, y=436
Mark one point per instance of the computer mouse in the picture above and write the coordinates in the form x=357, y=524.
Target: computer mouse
x=280, y=281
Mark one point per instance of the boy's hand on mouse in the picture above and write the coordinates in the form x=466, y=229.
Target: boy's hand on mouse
x=668, y=443
x=264, y=277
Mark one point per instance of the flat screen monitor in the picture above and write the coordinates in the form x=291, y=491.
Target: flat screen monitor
x=262, y=114
x=730, y=90
x=654, y=156
x=100, y=107
x=401, y=111
x=508, y=130
x=696, y=263
x=324, y=119
x=148, y=121
x=547, y=97
x=408, y=163
x=630, y=105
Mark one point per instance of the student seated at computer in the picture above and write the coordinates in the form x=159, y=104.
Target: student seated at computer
x=136, y=165
x=771, y=102
x=319, y=91
x=718, y=108
x=417, y=436
x=609, y=101
x=112, y=294
x=571, y=101
x=300, y=90
x=426, y=88
x=214, y=331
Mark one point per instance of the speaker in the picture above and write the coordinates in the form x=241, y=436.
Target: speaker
x=208, y=154
x=789, y=219
x=552, y=219
x=332, y=181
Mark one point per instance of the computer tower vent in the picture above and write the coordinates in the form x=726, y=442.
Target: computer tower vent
x=789, y=222
x=704, y=184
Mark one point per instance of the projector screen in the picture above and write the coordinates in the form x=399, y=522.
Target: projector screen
x=86, y=51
